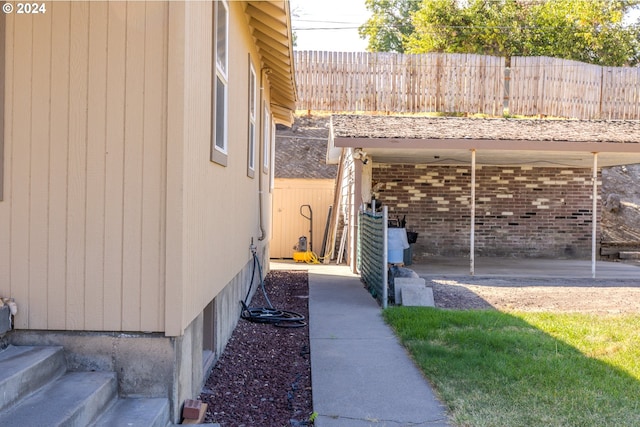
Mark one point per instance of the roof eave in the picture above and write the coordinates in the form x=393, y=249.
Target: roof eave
x=270, y=23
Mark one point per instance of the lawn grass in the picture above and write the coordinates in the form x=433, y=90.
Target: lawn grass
x=527, y=369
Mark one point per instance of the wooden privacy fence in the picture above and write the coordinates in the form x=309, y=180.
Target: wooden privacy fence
x=465, y=83
x=563, y=88
x=365, y=81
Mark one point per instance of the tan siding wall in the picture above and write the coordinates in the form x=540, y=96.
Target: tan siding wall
x=219, y=213
x=288, y=224
x=83, y=216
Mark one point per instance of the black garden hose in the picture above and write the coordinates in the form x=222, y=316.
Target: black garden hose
x=280, y=318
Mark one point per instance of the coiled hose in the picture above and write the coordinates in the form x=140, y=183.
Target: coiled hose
x=279, y=318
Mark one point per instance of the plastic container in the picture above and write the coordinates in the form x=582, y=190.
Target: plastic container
x=396, y=244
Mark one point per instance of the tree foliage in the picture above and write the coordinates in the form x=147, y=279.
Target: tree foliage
x=591, y=31
x=389, y=25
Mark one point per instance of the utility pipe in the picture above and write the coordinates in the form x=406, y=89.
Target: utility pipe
x=472, y=242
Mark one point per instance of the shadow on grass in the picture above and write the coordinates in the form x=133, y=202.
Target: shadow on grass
x=497, y=369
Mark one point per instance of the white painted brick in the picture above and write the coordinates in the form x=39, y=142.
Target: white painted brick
x=484, y=199
x=450, y=177
x=443, y=209
x=421, y=166
x=507, y=170
x=521, y=178
x=420, y=181
x=390, y=198
x=437, y=184
x=455, y=188
x=504, y=196
x=403, y=205
x=543, y=207
x=408, y=187
x=437, y=198
x=414, y=198
x=462, y=170
x=542, y=199
x=442, y=202
x=531, y=185
x=566, y=172
x=526, y=168
x=506, y=213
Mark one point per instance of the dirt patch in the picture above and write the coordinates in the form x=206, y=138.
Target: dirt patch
x=558, y=295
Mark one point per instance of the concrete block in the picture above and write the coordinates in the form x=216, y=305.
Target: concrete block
x=400, y=282
x=629, y=255
x=5, y=319
x=417, y=296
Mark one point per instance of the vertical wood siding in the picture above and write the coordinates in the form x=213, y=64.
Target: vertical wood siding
x=212, y=210
x=82, y=221
x=288, y=223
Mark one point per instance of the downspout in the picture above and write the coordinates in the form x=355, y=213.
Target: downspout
x=263, y=234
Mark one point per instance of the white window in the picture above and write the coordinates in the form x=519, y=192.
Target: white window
x=220, y=83
x=251, y=143
x=266, y=139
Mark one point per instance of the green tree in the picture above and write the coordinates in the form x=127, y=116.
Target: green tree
x=389, y=25
x=592, y=31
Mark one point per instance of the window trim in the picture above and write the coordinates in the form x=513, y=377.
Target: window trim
x=252, y=120
x=220, y=73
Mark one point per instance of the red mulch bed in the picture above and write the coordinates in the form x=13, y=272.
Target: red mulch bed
x=263, y=377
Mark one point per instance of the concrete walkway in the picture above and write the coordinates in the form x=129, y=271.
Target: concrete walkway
x=361, y=376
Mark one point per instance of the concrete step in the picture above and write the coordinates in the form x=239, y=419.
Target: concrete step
x=135, y=412
x=25, y=369
x=74, y=399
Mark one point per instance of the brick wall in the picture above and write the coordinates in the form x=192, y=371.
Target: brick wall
x=520, y=211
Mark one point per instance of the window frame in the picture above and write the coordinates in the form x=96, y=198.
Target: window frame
x=252, y=120
x=220, y=80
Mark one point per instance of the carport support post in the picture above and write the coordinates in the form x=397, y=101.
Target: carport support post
x=472, y=237
x=594, y=215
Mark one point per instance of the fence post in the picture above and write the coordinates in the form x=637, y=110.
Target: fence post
x=385, y=255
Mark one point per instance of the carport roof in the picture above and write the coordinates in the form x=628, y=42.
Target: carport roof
x=447, y=140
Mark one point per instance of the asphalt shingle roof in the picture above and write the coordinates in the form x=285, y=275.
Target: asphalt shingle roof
x=301, y=150
x=421, y=127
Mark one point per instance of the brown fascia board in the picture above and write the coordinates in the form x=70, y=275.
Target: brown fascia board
x=488, y=144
